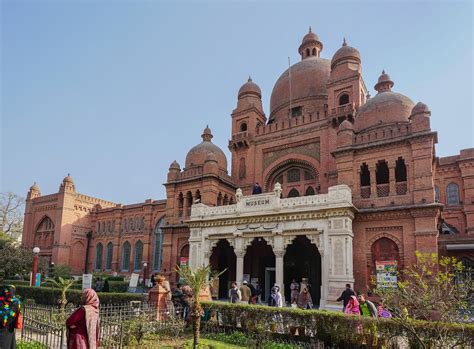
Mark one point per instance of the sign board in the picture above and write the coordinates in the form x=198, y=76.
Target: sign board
x=86, y=281
x=134, y=280
x=38, y=280
x=386, y=273
x=183, y=261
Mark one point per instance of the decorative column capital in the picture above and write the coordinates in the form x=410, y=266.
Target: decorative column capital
x=239, y=253
x=279, y=254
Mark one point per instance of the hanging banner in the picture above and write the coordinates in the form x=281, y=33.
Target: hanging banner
x=386, y=273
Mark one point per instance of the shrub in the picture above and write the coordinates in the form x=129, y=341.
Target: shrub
x=50, y=296
x=332, y=328
x=21, y=344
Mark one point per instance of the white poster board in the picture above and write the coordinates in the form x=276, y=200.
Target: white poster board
x=86, y=281
x=134, y=280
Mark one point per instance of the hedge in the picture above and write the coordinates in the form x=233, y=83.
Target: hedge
x=49, y=295
x=330, y=327
x=114, y=286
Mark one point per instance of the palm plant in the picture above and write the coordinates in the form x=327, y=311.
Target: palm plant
x=63, y=285
x=198, y=280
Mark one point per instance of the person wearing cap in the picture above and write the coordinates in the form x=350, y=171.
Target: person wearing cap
x=245, y=292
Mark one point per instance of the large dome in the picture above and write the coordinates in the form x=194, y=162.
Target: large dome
x=199, y=153
x=308, y=79
x=385, y=108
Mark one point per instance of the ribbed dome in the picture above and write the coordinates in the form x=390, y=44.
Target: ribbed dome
x=310, y=37
x=250, y=88
x=385, y=108
x=199, y=153
x=346, y=52
x=68, y=179
x=35, y=187
x=308, y=79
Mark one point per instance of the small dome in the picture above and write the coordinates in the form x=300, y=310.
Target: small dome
x=346, y=125
x=68, y=179
x=310, y=37
x=344, y=53
x=35, y=187
x=384, y=83
x=250, y=88
x=199, y=153
x=419, y=108
x=175, y=165
x=310, y=41
x=385, y=108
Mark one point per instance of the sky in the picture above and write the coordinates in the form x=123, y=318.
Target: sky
x=113, y=91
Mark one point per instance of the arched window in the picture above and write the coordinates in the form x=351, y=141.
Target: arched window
x=180, y=204
x=294, y=174
x=137, y=223
x=436, y=190
x=126, y=256
x=293, y=193
x=385, y=249
x=132, y=227
x=243, y=127
x=109, y=227
x=197, y=195
x=103, y=227
x=314, y=52
x=113, y=225
x=143, y=223
x=307, y=52
x=108, y=256
x=44, y=233
x=310, y=191
x=98, y=227
x=452, y=194
x=226, y=200
x=344, y=99
x=98, y=256
x=364, y=181
x=219, y=199
x=158, y=246
x=231, y=201
x=138, y=256
x=382, y=178
x=401, y=176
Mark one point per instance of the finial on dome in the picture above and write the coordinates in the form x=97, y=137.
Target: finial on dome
x=309, y=29
x=207, y=134
x=384, y=83
x=250, y=79
x=344, y=43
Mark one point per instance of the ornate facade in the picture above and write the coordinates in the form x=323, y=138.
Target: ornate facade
x=324, y=130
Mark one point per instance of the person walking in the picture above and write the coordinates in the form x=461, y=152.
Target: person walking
x=257, y=189
x=234, y=294
x=106, y=287
x=304, y=298
x=258, y=293
x=346, y=296
x=10, y=317
x=245, y=292
x=352, y=307
x=83, y=324
x=253, y=297
x=367, y=308
x=294, y=288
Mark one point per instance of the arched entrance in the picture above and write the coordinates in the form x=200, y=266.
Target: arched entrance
x=383, y=250
x=302, y=260
x=223, y=257
x=259, y=264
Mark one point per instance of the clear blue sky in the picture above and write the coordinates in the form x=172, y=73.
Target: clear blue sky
x=114, y=91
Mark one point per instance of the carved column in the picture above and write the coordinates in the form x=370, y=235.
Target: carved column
x=373, y=181
x=239, y=272
x=279, y=271
x=391, y=168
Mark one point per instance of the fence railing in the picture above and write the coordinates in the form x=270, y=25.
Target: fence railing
x=43, y=332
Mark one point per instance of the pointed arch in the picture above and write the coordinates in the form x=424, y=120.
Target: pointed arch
x=126, y=250
x=138, y=256
x=293, y=193
x=99, y=250
x=158, y=245
x=309, y=191
x=108, y=256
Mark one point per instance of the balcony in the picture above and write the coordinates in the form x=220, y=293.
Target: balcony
x=401, y=188
x=383, y=190
x=239, y=140
x=365, y=192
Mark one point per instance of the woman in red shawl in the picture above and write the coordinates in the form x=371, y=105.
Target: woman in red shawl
x=83, y=324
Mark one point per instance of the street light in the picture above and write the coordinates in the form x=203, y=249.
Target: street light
x=145, y=265
x=36, y=252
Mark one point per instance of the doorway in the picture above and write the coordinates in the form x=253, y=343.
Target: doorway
x=223, y=258
x=269, y=282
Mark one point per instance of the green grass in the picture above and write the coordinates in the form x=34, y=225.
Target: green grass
x=210, y=343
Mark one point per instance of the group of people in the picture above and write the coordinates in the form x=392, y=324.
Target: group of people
x=101, y=285
x=246, y=293
x=354, y=304
x=300, y=295
x=82, y=325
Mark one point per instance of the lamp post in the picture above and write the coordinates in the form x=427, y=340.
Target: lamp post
x=51, y=269
x=145, y=265
x=36, y=252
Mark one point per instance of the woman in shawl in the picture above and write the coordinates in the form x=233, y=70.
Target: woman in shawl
x=83, y=324
x=10, y=317
x=352, y=308
x=304, y=298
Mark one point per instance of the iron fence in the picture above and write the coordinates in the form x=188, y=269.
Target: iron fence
x=44, y=333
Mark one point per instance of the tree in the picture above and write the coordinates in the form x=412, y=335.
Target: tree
x=17, y=260
x=433, y=289
x=11, y=214
x=199, y=280
x=63, y=285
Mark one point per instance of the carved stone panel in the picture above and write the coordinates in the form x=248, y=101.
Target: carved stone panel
x=311, y=149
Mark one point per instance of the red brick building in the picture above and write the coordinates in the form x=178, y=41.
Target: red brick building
x=323, y=129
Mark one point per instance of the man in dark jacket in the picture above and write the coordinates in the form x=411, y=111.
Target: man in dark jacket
x=346, y=295
x=257, y=189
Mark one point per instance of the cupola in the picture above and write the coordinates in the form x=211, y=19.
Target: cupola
x=311, y=46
